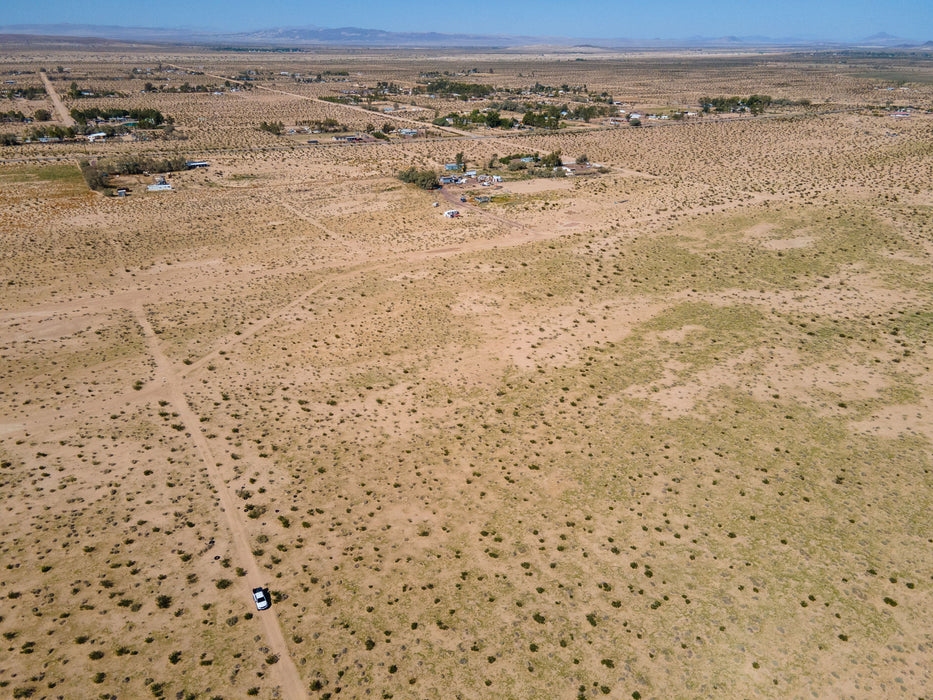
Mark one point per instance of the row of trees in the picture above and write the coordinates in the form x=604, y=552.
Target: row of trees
x=549, y=118
x=97, y=174
x=328, y=125
x=56, y=131
x=491, y=118
x=183, y=88
x=52, y=131
x=756, y=104
x=15, y=116
x=137, y=165
x=95, y=178
x=147, y=117
x=23, y=93
x=588, y=112
x=446, y=87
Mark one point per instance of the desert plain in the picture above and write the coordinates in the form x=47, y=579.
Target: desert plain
x=657, y=430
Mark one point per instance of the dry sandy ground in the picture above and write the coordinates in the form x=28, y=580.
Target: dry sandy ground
x=662, y=432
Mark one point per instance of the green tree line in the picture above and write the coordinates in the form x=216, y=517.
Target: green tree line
x=147, y=117
x=425, y=179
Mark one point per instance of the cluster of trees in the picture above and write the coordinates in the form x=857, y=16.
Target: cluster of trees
x=511, y=106
x=447, y=88
x=95, y=178
x=552, y=159
x=587, y=112
x=322, y=77
x=12, y=116
x=52, y=131
x=755, y=104
x=137, y=165
x=490, y=118
x=340, y=99
x=97, y=175
x=505, y=160
x=272, y=127
x=425, y=179
x=328, y=125
x=539, y=166
x=540, y=89
x=548, y=118
x=184, y=88
x=378, y=133
x=24, y=93
x=68, y=132
x=388, y=88
x=147, y=117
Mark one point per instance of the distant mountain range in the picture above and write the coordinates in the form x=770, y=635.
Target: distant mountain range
x=300, y=37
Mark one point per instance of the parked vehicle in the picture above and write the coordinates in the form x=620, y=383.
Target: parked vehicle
x=261, y=599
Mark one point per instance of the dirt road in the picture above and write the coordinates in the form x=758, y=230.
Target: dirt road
x=63, y=116
x=171, y=384
x=285, y=669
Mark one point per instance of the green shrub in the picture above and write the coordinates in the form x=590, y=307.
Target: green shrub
x=425, y=179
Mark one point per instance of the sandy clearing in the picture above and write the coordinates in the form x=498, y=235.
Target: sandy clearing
x=535, y=186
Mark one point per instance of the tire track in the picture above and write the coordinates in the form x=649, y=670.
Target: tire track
x=285, y=669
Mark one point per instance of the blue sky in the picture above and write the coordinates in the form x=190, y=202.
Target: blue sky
x=638, y=19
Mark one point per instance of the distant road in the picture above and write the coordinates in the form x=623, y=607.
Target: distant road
x=63, y=116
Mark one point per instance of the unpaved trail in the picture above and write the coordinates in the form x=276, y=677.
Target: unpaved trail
x=63, y=116
x=171, y=385
x=285, y=669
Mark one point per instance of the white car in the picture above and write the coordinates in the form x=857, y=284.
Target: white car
x=260, y=598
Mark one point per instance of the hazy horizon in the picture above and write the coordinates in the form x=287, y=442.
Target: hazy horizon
x=834, y=20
